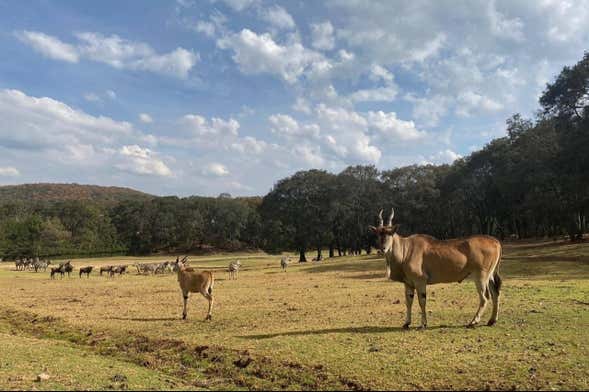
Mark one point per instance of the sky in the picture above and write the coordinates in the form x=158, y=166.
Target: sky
x=200, y=97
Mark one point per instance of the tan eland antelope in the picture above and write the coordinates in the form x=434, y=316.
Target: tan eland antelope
x=419, y=260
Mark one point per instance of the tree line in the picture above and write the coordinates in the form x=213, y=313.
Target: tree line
x=534, y=182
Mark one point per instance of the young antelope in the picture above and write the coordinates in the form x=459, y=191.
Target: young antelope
x=192, y=281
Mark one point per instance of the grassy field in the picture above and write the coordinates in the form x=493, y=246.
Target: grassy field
x=334, y=325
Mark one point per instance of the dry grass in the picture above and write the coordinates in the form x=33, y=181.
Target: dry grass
x=334, y=325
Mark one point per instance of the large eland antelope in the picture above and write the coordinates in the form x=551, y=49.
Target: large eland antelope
x=419, y=260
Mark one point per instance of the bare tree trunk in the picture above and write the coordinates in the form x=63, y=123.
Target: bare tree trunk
x=331, y=250
x=318, y=253
x=302, y=258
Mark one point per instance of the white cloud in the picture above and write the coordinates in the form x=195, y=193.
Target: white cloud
x=9, y=171
x=142, y=161
x=428, y=111
x=347, y=134
x=374, y=94
x=200, y=126
x=49, y=46
x=215, y=170
x=47, y=131
x=121, y=53
x=256, y=54
x=310, y=155
x=322, y=36
x=278, y=17
x=31, y=122
x=444, y=156
x=470, y=102
x=302, y=105
x=249, y=145
x=111, y=94
x=503, y=27
x=285, y=125
x=207, y=28
x=389, y=125
x=145, y=118
x=114, y=51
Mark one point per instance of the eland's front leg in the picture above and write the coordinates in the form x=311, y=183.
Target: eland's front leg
x=409, y=294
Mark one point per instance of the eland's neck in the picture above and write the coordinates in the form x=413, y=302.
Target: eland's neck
x=397, y=249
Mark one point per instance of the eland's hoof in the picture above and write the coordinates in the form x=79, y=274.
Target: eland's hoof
x=183, y=317
x=471, y=325
x=491, y=323
x=422, y=327
x=209, y=317
x=406, y=326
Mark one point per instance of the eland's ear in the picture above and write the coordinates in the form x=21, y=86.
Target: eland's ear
x=372, y=228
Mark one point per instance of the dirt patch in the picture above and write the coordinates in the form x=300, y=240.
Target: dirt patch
x=207, y=364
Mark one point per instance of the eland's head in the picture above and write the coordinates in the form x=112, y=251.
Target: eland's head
x=384, y=232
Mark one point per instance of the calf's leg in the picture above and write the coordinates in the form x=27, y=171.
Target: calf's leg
x=185, y=296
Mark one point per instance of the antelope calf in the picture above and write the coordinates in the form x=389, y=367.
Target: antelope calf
x=86, y=270
x=234, y=267
x=419, y=260
x=192, y=281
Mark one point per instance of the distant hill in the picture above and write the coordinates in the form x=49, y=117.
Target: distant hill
x=61, y=192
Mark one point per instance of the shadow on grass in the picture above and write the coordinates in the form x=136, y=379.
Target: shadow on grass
x=363, y=330
x=364, y=264
x=144, y=319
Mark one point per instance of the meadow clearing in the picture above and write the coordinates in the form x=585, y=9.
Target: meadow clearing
x=332, y=325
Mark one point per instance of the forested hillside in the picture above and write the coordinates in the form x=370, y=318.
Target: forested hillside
x=61, y=192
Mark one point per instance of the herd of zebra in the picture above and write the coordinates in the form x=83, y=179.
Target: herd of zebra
x=30, y=264
x=36, y=264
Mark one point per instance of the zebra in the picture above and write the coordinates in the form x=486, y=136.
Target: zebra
x=234, y=267
x=284, y=262
x=41, y=265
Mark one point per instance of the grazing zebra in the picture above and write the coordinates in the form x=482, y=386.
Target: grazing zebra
x=284, y=262
x=41, y=265
x=234, y=267
x=162, y=267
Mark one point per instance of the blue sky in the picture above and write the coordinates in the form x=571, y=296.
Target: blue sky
x=203, y=97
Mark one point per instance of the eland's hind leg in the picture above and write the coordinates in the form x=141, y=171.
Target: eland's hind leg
x=495, y=289
x=482, y=285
